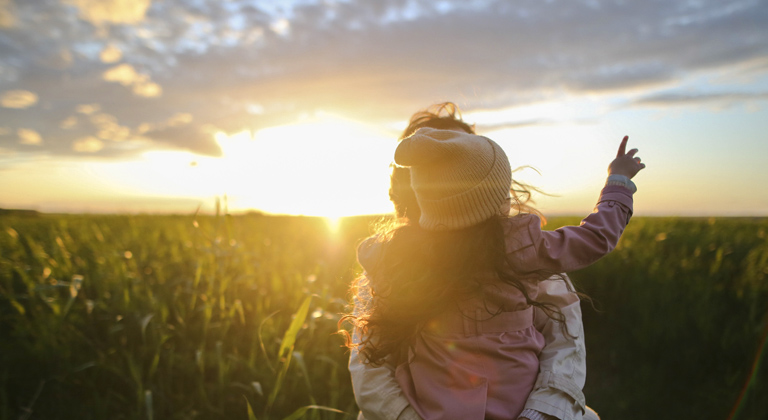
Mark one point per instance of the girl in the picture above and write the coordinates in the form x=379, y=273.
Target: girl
x=562, y=362
x=453, y=297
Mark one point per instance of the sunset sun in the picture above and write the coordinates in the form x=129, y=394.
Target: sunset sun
x=323, y=166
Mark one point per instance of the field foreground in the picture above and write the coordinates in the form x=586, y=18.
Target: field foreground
x=182, y=317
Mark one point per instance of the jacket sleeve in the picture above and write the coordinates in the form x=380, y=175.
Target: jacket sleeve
x=571, y=247
x=377, y=392
x=562, y=362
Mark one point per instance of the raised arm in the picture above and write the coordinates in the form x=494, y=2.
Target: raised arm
x=573, y=247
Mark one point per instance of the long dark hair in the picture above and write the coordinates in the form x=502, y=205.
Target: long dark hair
x=419, y=274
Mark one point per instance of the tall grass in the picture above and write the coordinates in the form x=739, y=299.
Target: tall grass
x=171, y=317
x=683, y=314
x=210, y=317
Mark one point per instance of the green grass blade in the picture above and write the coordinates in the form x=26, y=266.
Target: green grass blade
x=251, y=415
x=289, y=339
x=305, y=373
x=286, y=350
x=261, y=341
x=299, y=414
x=278, y=384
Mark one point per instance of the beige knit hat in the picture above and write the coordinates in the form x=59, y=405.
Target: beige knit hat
x=460, y=179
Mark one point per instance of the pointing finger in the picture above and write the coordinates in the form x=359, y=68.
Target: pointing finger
x=623, y=147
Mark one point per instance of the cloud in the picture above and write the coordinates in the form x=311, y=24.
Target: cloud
x=88, y=145
x=126, y=75
x=487, y=57
x=179, y=119
x=281, y=26
x=484, y=128
x=88, y=109
x=7, y=17
x=723, y=99
x=697, y=99
x=147, y=89
x=29, y=137
x=110, y=54
x=108, y=127
x=175, y=73
x=19, y=99
x=68, y=123
x=192, y=136
x=111, y=11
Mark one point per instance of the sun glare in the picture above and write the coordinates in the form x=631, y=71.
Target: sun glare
x=323, y=166
x=326, y=166
x=570, y=161
x=333, y=223
x=332, y=167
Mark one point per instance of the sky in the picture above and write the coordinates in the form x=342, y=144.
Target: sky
x=295, y=106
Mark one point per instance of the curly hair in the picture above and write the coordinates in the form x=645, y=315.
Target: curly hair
x=420, y=274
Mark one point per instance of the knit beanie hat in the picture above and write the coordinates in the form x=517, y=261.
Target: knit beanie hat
x=460, y=179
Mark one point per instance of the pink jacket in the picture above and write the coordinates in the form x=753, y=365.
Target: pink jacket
x=469, y=365
x=557, y=392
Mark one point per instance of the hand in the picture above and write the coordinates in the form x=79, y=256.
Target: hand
x=626, y=164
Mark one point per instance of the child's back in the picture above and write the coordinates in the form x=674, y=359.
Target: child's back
x=461, y=363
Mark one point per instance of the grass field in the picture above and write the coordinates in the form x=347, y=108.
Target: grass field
x=182, y=317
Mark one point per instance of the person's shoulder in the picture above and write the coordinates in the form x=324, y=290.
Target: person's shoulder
x=369, y=251
x=522, y=221
x=520, y=230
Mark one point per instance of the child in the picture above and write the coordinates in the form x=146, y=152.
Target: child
x=453, y=297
